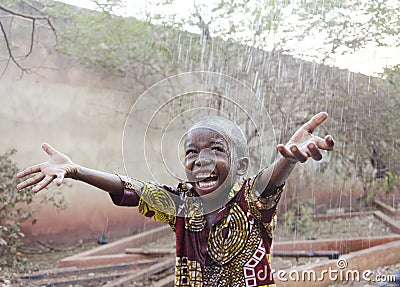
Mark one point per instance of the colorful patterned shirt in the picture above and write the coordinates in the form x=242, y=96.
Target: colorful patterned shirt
x=232, y=251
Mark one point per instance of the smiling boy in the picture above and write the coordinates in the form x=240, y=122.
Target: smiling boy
x=223, y=224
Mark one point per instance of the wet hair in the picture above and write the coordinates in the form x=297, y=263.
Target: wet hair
x=228, y=129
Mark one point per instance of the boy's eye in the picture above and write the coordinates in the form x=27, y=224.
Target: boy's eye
x=191, y=151
x=218, y=148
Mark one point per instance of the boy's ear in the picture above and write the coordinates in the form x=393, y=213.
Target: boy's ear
x=243, y=165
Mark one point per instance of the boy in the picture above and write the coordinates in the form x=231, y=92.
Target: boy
x=223, y=227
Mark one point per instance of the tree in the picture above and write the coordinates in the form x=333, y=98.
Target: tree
x=15, y=209
x=37, y=21
x=342, y=26
x=11, y=213
x=33, y=17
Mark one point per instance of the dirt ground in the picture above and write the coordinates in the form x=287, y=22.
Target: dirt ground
x=365, y=226
x=44, y=257
x=47, y=257
x=391, y=199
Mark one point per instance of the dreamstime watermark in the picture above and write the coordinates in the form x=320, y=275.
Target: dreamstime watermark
x=333, y=274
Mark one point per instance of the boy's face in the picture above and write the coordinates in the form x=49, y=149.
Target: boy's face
x=208, y=161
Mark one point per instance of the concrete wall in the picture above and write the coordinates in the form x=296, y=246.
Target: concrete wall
x=82, y=115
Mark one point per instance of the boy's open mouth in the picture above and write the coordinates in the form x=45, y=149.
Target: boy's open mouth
x=206, y=180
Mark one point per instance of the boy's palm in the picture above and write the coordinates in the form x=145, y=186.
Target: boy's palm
x=303, y=144
x=57, y=167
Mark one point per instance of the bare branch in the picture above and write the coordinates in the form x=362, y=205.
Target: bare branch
x=10, y=53
x=32, y=41
x=34, y=22
x=26, y=16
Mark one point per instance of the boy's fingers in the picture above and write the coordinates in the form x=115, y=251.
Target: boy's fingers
x=314, y=152
x=285, y=152
x=326, y=144
x=49, y=149
x=298, y=154
x=29, y=170
x=45, y=182
x=30, y=181
x=315, y=121
x=329, y=142
x=59, y=179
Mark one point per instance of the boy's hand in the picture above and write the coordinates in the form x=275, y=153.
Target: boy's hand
x=57, y=167
x=303, y=144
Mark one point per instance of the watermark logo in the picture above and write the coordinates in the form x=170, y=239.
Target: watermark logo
x=341, y=264
x=339, y=273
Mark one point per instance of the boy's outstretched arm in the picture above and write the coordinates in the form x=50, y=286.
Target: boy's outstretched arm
x=302, y=145
x=59, y=166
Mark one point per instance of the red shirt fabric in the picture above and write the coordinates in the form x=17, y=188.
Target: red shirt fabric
x=233, y=250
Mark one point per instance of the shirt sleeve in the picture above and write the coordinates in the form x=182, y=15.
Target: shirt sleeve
x=153, y=200
x=264, y=209
x=129, y=197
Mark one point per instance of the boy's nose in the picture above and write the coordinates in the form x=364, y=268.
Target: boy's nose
x=205, y=157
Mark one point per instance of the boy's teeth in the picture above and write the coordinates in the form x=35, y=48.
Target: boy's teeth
x=204, y=175
x=203, y=184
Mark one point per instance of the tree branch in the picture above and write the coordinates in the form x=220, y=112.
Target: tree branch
x=10, y=53
x=34, y=22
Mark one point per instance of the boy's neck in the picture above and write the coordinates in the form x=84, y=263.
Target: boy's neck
x=214, y=202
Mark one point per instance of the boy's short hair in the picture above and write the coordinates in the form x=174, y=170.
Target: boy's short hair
x=228, y=129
